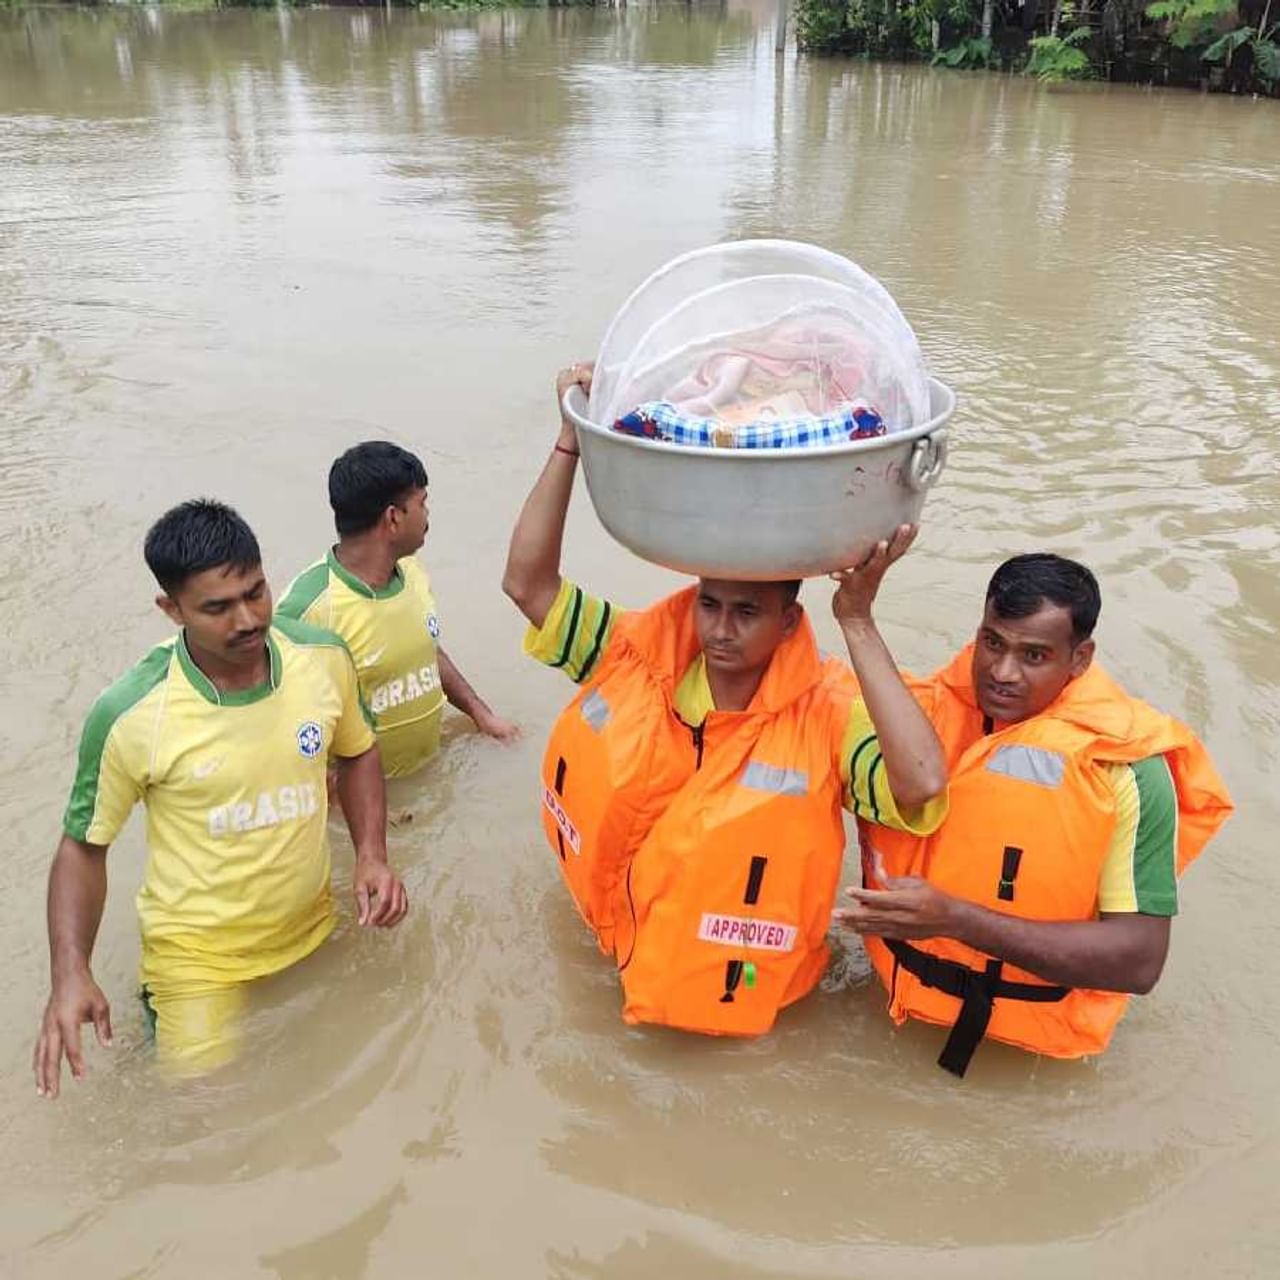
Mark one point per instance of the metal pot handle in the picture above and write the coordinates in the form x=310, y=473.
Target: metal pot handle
x=928, y=458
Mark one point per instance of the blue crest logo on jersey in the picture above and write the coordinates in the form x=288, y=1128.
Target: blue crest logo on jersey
x=310, y=739
x=433, y=625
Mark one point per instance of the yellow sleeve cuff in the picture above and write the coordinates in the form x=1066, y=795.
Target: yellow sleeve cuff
x=545, y=642
x=866, y=784
x=925, y=819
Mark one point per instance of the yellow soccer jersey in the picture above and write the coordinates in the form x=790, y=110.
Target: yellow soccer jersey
x=237, y=877
x=391, y=632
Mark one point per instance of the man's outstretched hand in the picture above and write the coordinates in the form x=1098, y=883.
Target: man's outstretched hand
x=75, y=1001
x=381, y=898
x=905, y=908
x=857, y=586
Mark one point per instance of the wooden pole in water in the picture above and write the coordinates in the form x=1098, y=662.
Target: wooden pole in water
x=780, y=39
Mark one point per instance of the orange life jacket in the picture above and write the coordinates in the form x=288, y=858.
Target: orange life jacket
x=705, y=858
x=1032, y=813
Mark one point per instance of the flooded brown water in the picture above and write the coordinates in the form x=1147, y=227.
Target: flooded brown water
x=231, y=244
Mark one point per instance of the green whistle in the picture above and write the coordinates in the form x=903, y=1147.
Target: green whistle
x=749, y=974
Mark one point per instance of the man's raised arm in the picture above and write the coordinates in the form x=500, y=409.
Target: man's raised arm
x=532, y=577
x=913, y=758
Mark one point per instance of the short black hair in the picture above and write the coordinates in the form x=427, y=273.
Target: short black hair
x=198, y=535
x=369, y=478
x=1022, y=586
x=790, y=590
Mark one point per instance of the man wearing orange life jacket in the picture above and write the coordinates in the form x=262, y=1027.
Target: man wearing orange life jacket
x=1045, y=898
x=692, y=791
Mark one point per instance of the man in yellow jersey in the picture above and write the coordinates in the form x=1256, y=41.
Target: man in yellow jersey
x=372, y=591
x=225, y=734
x=881, y=757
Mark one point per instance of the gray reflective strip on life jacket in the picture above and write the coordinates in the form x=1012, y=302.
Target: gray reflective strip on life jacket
x=1029, y=764
x=595, y=710
x=780, y=782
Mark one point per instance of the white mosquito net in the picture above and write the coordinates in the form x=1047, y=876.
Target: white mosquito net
x=760, y=332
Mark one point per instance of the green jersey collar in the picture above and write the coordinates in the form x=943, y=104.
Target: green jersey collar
x=235, y=697
x=393, y=588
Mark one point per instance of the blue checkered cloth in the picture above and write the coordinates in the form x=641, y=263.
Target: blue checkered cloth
x=661, y=420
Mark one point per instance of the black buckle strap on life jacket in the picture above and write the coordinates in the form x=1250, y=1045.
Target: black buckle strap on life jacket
x=976, y=1007
x=976, y=989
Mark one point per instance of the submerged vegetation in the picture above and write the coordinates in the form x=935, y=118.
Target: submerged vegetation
x=1232, y=45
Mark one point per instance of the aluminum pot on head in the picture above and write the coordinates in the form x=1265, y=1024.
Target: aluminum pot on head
x=760, y=515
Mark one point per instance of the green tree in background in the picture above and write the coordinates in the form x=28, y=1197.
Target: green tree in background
x=1056, y=58
x=1228, y=44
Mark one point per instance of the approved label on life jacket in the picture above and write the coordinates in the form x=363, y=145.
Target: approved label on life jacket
x=567, y=829
x=736, y=931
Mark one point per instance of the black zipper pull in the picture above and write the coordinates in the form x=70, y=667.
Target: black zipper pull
x=733, y=975
x=1008, y=872
x=736, y=971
